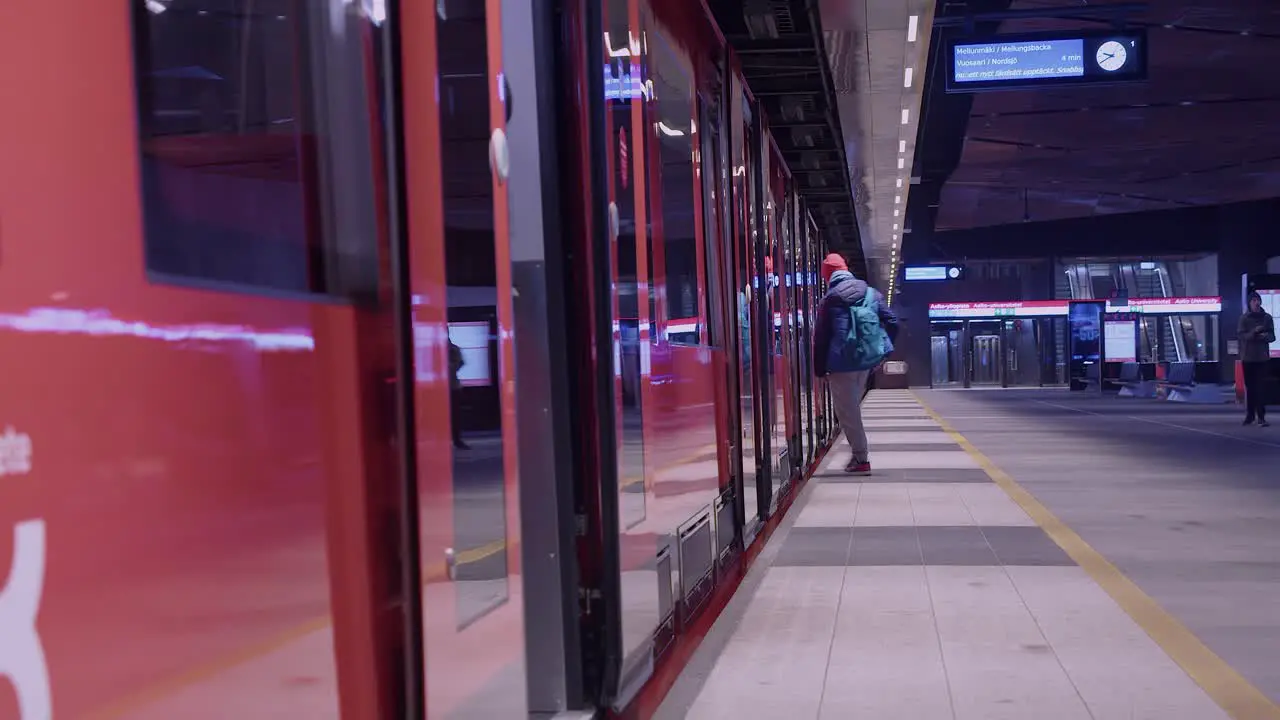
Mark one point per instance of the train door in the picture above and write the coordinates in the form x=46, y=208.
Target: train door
x=625, y=141
x=775, y=335
x=791, y=325
x=717, y=208
x=805, y=305
x=760, y=268
x=742, y=161
x=458, y=277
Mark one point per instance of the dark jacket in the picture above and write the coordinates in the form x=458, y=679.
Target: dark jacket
x=1256, y=332
x=833, y=322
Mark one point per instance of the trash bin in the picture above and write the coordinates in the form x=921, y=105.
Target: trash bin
x=893, y=376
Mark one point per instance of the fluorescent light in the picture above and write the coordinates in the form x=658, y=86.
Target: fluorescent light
x=906, y=81
x=913, y=27
x=906, y=116
x=902, y=163
x=895, y=226
x=895, y=212
x=897, y=199
x=902, y=146
x=899, y=183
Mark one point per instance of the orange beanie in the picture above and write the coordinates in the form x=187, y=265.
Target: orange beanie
x=833, y=263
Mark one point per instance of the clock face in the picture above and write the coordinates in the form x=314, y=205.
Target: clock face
x=954, y=273
x=1112, y=56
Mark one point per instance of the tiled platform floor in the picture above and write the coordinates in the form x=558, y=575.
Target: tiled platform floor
x=925, y=592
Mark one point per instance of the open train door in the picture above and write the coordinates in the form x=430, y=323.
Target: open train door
x=456, y=164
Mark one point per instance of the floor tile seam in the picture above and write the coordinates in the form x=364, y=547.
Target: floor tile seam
x=954, y=495
x=937, y=633
x=835, y=624
x=1004, y=570
x=1223, y=684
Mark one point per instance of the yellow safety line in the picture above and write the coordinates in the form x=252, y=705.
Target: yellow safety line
x=1236, y=695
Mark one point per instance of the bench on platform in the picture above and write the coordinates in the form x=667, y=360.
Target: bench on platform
x=1133, y=384
x=1180, y=385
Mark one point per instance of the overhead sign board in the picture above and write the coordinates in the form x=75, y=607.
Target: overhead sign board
x=1166, y=306
x=1059, y=308
x=935, y=273
x=1005, y=62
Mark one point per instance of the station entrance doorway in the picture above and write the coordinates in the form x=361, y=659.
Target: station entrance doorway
x=993, y=353
x=1019, y=344
x=1024, y=343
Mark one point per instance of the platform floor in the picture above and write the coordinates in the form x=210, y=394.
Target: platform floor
x=1014, y=555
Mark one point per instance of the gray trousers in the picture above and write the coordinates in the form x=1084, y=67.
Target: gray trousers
x=846, y=395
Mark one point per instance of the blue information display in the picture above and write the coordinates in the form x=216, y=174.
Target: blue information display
x=916, y=273
x=1026, y=61
x=1030, y=60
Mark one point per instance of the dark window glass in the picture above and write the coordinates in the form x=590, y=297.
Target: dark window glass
x=249, y=111
x=673, y=130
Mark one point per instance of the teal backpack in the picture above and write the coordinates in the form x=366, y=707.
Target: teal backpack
x=867, y=344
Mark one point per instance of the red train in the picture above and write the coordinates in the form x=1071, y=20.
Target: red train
x=376, y=359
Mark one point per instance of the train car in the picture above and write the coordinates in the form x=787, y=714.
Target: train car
x=377, y=359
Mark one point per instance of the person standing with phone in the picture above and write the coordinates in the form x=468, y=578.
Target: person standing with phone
x=1256, y=332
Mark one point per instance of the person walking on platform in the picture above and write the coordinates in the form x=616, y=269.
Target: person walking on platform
x=1257, y=330
x=853, y=335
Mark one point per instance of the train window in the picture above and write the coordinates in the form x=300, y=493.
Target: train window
x=249, y=113
x=673, y=132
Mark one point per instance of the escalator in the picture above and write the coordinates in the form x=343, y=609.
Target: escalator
x=1181, y=330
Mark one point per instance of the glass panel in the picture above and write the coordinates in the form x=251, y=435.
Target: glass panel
x=775, y=271
x=630, y=259
x=1023, y=352
x=791, y=287
x=476, y=412
x=680, y=423
x=673, y=131
x=247, y=119
x=805, y=341
x=744, y=209
x=712, y=177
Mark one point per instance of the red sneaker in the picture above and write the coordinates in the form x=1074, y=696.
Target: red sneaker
x=856, y=467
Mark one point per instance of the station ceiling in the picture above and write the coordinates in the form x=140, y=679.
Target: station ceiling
x=780, y=49
x=1203, y=130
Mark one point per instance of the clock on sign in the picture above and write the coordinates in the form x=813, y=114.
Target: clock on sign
x=1112, y=56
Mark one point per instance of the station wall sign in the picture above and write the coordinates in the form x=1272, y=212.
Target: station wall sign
x=982, y=310
x=1166, y=306
x=1032, y=60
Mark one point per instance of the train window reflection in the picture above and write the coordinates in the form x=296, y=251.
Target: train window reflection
x=469, y=354
x=631, y=258
x=248, y=113
x=674, y=134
